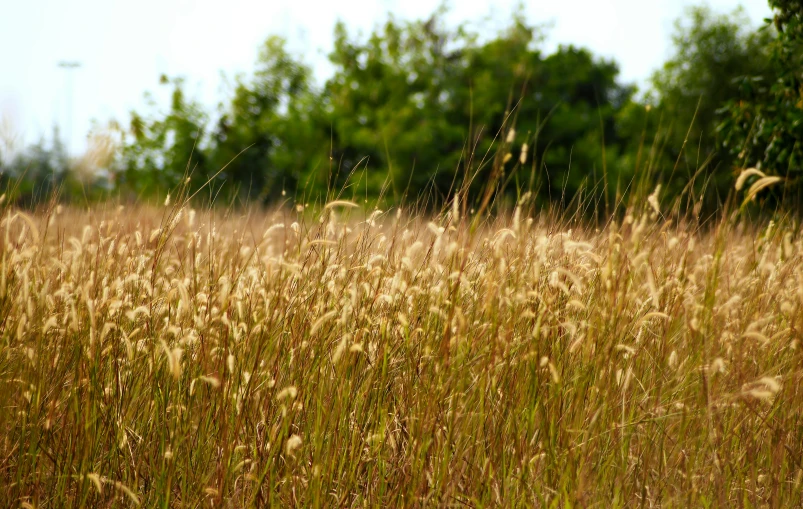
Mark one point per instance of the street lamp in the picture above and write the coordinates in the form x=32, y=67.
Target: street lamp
x=69, y=66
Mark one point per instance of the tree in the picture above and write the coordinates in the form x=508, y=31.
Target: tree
x=712, y=52
x=36, y=172
x=391, y=106
x=267, y=137
x=416, y=108
x=164, y=151
x=436, y=106
x=764, y=125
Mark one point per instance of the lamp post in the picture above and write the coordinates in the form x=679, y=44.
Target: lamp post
x=69, y=66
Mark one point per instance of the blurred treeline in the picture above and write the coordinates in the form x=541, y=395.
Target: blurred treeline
x=421, y=110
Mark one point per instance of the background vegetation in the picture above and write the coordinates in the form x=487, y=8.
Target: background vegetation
x=421, y=109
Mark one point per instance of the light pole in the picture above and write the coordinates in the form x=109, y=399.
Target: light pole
x=69, y=66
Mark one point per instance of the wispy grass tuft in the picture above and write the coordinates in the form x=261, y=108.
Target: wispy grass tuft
x=168, y=357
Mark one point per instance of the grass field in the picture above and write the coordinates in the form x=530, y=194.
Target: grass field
x=164, y=357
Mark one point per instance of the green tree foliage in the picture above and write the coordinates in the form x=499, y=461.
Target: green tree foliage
x=425, y=102
x=163, y=151
x=265, y=138
x=415, y=107
x=35, y=173
x=423, y=109
x=711, y=52
x=582, y=99
x=764, y=126
x=391, y=105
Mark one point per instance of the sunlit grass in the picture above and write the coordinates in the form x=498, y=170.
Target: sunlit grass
x=178, y=358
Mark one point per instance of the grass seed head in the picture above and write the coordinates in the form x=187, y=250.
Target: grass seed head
x=292, y=444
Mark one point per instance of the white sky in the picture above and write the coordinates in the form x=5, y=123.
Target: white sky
x=125, y=46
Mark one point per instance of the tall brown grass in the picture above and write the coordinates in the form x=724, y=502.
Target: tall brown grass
x=178, y=358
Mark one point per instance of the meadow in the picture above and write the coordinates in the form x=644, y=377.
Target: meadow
x=161, y=356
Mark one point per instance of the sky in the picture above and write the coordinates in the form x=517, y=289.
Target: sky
x=123, y=47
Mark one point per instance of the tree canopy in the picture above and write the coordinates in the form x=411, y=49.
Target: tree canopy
x=764, y=125
x=422, y=109
x=414, y=107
